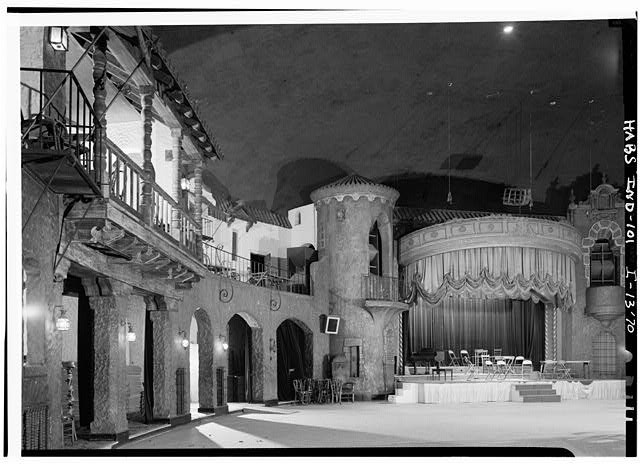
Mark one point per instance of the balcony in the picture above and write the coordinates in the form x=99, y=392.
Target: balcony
x=58, y=132
x=255, y=273
x=380, y=288
x=161, y=245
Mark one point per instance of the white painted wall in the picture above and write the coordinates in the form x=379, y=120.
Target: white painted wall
x=306, y=231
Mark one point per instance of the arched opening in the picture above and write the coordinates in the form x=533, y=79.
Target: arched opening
x=244, y=359
x=294, y=341
x=604, y=261
x=201, y=362
x=375, y=250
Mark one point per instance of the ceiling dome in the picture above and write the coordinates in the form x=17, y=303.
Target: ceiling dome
x=354, y=186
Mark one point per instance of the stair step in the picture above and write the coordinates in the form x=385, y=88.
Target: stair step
x=541, y=399
x=534, y=386
x=531, y=392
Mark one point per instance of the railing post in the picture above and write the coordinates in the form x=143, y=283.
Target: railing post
x=146, y=100
x=99, y=107
x=197, y=210
x=176, y=192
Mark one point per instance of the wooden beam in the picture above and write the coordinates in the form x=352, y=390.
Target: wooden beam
x=128, y=57
x=126, y=273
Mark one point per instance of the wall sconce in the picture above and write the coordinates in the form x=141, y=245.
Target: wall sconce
x=185, y=341
x=223, y=342
x=62, y=322
x=131, y=335
x=59, y=38
x=184, y=184
x=273, y=347
x=340, y=214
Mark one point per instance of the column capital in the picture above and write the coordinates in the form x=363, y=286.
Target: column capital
x=61, y=270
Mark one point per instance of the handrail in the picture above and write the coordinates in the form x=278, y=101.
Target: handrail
x=256, y=273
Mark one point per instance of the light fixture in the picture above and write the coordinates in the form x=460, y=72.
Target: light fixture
x=223, y=342
x=508, y=29
x=184, y=184
x=185, y=341
x=62, y=322
x=131, y=335
x=59, y=38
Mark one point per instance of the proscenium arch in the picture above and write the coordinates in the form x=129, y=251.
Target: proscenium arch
x=206, y=387
x=257, y=358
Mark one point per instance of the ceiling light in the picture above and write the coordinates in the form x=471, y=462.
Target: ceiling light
x=553, y=103
x=508, y=29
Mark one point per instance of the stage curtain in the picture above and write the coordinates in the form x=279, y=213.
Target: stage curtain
x=455, y=323
x=493, y=272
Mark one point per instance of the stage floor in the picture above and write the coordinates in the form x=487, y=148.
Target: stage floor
x=424, y=389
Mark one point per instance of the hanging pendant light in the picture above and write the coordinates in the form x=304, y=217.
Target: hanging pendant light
x=62, y=322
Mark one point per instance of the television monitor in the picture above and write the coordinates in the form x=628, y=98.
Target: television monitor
x=331, y=327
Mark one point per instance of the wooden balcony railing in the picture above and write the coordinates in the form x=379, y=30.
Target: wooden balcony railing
x=63, y=121
x=125, y=180
x=384, y=288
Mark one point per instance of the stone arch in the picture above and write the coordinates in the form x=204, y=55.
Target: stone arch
x=256, y=356
x=603, y=229
x=206, y=386
x=307, y=356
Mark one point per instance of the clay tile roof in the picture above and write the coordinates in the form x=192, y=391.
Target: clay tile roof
x=438, y=216
x=352, y=179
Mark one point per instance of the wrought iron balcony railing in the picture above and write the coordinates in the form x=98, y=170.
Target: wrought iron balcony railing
x=253, y=272
x=57, y=117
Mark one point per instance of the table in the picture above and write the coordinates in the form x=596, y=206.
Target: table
x=438, y=369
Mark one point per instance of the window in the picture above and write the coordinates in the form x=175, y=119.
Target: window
x=604, y=265
x=234, y=245
x=375, y=241
x=354, y=361
x=298, y=218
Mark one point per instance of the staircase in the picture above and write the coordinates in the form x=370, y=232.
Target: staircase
x=534, y=393
x=405, y=393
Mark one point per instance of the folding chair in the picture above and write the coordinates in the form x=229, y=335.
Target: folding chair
x=490, y=368
x=464, y=354
x=500, y=370
x=471, y=371
x=527, y=367
x=562, y=371
x=517, y=363
x=508, y=360
x=548, y=370
x=497, y=353
x=453, y=359
x=483, y=358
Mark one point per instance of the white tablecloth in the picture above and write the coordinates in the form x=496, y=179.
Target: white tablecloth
x=472, y=392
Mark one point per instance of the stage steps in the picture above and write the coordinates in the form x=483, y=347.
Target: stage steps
x=534, y=393
x=405, y=393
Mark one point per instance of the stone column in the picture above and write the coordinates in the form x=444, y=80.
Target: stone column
x=109, y=300
x=146, y=100
x=99, y=107
x=176, y=190
x=197, y=210
x=164, y=388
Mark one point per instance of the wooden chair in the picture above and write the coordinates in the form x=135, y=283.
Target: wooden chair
x=347, y=392
x=336, y=391
x=303, y=394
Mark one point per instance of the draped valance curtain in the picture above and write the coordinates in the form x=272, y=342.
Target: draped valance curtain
x=493, y=272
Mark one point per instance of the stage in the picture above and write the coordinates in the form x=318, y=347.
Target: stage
x=424, y=389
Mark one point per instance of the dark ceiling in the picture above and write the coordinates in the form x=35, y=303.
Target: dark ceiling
x=297, y=106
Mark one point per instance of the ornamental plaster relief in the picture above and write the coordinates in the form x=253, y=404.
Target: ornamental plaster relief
x=488, y=232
